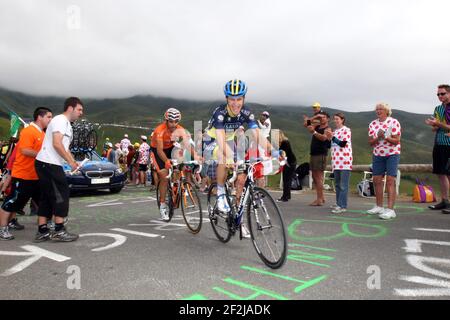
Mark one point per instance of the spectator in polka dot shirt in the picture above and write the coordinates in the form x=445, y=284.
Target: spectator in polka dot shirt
x=341, y=161
x=384, y=137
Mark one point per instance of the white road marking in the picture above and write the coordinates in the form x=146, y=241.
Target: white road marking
x=433, y=230
x=105, y=203
x=143, y=234
x=34, y=253
x=419, y=263
x=415, y=245
x=118, y=240
x=423, y=292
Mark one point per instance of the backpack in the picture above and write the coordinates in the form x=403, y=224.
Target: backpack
x=365, y=188
x=302, y=170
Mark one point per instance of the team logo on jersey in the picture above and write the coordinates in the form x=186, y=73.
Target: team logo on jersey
x=252, y=117
x=220, y=118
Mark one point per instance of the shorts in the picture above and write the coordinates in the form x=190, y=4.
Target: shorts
x=143, y=167
x=385, y=165
x=21, y=192
x=318, y=162
x=55, y=192
x=440, y=159
x=158, y=164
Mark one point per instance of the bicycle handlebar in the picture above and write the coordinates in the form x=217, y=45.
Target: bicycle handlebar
x=176, y=164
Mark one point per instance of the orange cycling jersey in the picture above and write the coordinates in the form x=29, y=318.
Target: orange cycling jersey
x=162, y=133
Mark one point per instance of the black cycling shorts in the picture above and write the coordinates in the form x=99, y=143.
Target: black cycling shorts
x=158, y=164
x=21, y=192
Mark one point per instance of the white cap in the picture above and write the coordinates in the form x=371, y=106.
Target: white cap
x=125, y=135
x=265, y=113
x=144, y=137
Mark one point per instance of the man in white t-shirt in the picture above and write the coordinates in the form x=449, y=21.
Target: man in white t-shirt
x=52, y=179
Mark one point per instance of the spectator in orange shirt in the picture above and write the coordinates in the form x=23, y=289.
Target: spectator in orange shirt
x=24, y=177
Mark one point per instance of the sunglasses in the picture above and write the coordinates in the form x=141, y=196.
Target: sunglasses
x=440, y=94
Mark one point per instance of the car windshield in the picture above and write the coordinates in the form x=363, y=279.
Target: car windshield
x=91, y=155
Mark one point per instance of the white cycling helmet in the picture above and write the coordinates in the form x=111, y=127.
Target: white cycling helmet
x=172, y=114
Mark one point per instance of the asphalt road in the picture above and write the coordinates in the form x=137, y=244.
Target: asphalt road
x=125, y=252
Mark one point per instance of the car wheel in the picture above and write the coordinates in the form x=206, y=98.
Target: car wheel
x=115, y=190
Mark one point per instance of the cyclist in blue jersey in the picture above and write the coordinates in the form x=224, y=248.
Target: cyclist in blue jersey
x=227, y=120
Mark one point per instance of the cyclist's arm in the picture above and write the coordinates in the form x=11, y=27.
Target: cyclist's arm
x=186, y=138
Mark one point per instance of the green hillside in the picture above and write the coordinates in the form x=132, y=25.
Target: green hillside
x=417, y=140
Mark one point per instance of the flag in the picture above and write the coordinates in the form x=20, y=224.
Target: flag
x=15, y=125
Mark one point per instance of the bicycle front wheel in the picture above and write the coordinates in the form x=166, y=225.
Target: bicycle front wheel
x=191, y=207
x=267, y=228
x=220, y=221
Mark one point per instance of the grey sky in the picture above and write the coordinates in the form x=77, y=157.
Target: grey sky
x=347, y=54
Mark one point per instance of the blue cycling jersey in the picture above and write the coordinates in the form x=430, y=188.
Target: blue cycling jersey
x=222, y=120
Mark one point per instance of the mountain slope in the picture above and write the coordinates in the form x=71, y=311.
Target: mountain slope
x=147, y=111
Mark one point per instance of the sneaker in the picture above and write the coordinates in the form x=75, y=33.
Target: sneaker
x=338, y=210
x=444, y=204
x=222, y=203
x=245, y=232
x=63, y=236
x=15, y=225
x=387, y=214
x=282, y=200
x=163, y=211
x=40, y=237
x=375, y=210
x=334, y=206
x=5, y=234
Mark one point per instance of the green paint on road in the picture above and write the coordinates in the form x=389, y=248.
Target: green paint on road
x=310, y=247
x=305, y=284
x=294, y=231
x=307, y=257
x=257, y=291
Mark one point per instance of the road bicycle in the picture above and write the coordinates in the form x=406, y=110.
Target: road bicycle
x=264, y=218
x=181, y=192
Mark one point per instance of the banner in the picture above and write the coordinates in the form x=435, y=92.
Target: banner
x=15, y=125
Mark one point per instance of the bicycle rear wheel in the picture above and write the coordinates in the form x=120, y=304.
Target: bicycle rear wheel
x=191, y=207
x=220, y=221
x=267, y=228
x=169, y=201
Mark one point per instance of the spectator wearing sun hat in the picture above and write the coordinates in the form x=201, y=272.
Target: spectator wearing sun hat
x=264, y=124
x=124, y=143
x=313, y=120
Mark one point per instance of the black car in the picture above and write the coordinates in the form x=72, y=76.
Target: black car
x=96, y=174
